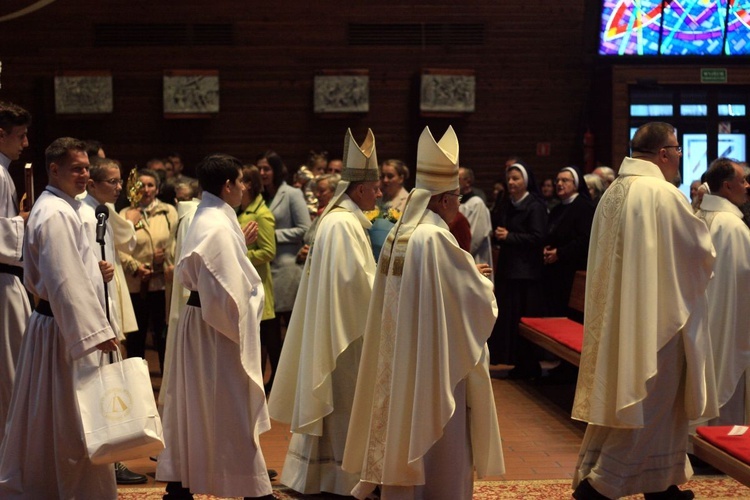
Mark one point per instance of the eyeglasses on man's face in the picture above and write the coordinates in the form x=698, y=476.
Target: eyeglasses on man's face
x=677, y=148
x=459, y=196
x=113, y=182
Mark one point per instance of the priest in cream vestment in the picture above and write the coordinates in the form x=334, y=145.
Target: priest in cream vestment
x=424, y=414
x=314, y=386
x=729, y=290
x=646, y=367
x=215, y=408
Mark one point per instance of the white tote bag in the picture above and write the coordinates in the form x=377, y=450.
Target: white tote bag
x=118, y=410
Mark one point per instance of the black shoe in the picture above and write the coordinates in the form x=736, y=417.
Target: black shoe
x=272, y=474
x=175, y=491
x=560, y=375
x=127, y=476
x=585, y=491
x=526, y=372
x=671, y=493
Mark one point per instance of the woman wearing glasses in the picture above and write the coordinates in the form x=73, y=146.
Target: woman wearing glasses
x=520, y=228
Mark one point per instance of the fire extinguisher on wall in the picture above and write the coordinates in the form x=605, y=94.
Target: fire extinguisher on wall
x=589, y=160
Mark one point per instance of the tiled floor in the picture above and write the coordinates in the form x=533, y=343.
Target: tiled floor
x=540, y=441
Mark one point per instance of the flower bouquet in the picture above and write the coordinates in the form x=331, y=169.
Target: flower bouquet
x=383, y=221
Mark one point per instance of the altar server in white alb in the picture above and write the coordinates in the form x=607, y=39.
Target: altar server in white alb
x=215, y=408
x=646, y=365
x=729, y=290
x=314, y=387
x=103, y=188
x=180, y=294
x=43, y=454
x=425, y=361
x=14, y=303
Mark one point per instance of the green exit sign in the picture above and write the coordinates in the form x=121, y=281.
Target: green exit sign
x=713, y=75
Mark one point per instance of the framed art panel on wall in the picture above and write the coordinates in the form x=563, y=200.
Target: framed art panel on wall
x=83, y=92
x=447, y=92
x=191, y=93
x=341, y=91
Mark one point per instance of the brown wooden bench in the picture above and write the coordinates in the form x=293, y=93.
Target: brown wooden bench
x=729, y=454
x=562, y=337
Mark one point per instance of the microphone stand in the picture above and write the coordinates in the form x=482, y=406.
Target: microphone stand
x=101, y=219
x=106, y=287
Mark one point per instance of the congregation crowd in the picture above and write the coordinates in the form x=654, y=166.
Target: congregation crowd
x=367, y=315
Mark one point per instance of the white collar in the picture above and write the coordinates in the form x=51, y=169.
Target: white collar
x=571, y=199
x=516, y=203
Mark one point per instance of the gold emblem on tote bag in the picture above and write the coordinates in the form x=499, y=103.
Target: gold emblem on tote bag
x=115, y=404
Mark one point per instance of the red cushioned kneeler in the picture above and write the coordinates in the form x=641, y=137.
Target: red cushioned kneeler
x=737, y=446
x=563, y=330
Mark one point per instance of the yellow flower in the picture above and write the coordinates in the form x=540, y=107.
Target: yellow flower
x=372, y=214
x=393, y=215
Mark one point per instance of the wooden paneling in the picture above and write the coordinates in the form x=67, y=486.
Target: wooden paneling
x=534, y=78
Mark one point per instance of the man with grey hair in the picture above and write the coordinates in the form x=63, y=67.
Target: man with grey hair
x=317, y=373
x=729, y=290
x=425, y=359
x=606, y=174
x=645, y=364
x=324, y=188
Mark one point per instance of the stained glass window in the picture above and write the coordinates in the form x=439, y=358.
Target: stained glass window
x=675, y=27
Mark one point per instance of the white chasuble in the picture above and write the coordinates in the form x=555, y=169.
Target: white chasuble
x=430, y=316
x=650, y=261
x=728, y=294
x=320, y=357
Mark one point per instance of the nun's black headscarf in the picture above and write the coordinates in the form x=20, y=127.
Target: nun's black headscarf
x=528, y=176
x=579, y=181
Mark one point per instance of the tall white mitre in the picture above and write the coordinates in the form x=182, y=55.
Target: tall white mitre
x=360, y=162
x=437, y=162
x=360, y=165
x=437, y=172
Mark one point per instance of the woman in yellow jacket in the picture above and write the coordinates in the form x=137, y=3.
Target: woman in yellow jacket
x=261, y=252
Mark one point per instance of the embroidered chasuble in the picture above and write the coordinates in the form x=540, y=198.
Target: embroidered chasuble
x=317, y=372
x=430, y=316
x=727, y=296
x=650, y=261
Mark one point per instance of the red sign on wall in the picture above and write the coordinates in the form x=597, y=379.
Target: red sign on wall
x=543, y=148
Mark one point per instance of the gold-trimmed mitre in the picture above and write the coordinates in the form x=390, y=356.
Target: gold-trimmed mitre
x=437, y=162
x=360, y=162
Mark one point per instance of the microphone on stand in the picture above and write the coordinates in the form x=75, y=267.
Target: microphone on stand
x=102, y=214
